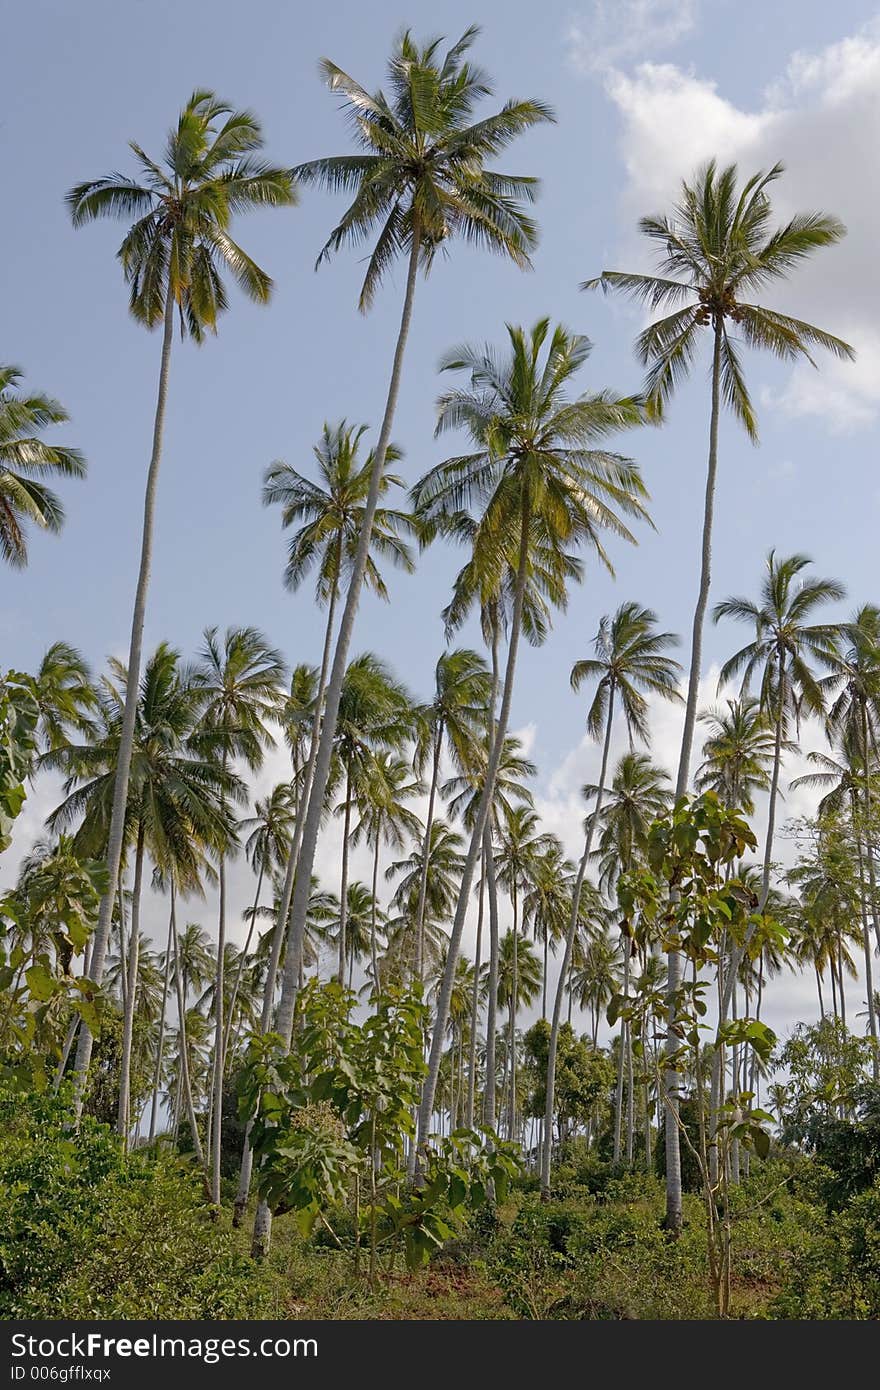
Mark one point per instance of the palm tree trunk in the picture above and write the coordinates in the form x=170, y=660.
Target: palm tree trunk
x=866, y=936
x=219, y=1068
x=242, y=962
x=630, y=1095
x=492, y=997
x=160, y=1045
x=514, y=1000
x=374, y=958
x=821, y=1000
x=673, y=969
x=476, y=839
x=126, y=740
x=305, y=864
x=546, y=1156
x=343, y=885
x=621, y=1065
x=123, y=940
x=181, y=1034
x=282, y=920
x=475, y=1004
x=426, y=845
x=122, y=1113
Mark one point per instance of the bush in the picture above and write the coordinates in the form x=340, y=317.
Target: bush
x=837, y=1272
x=87, y=1233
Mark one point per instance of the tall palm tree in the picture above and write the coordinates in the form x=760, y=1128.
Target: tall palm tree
x=420, y=177
x=784, y=644
x=241, y=678
x=173, y=256
x=539, y=477
x=638, y=795
x=25, y=459
x=375, y=714
x=381, y=792
x=266, y=847
x=65, y=695
x=631, y=661
x=177, y=798
x=454, y=718
x=547, y=902
x=329, y=516
x=445, y=861
x=717, y=248
x=737, y=753
x=519, y=984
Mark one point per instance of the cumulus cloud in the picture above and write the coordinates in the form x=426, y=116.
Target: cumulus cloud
x=821, y=118
x=617, y=29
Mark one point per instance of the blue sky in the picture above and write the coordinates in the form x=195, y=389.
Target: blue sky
x=644, y=90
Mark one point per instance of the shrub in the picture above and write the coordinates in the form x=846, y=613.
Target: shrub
x=87, y=1233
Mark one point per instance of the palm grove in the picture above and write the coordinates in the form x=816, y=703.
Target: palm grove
x=672, y=900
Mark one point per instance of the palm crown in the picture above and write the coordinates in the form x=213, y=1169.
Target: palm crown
x=630, y=654
x=718, y=248
x=533, y=465
x=179, y=242
x=329, y=513
x=422, y=166
x=24, y=460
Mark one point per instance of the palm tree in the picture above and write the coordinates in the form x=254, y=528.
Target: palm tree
x=375, y=713
x=455, y=718
x=25, y=460
x=177, y=798
x=329, y=516
x=737, y=753
x=519, y=984
x=521, y=846
x=65, y=695
x=539, y=481
x=716, y=248
x=266, y=847
x=638, y=795
x=381, y=792
x=172, y=257
x=420, y=177
x=445, y=861
x=547, y=902
x=241, y=679
x=630, y=662
x=783, y=645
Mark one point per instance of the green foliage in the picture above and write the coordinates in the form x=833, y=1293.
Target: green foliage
x=584, y=1075
x=335, y=1113
x=837, y=1273
x=88, y=1233
x=19, y=716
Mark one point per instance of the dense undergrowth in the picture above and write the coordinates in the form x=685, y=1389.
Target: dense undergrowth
x=88, y=1233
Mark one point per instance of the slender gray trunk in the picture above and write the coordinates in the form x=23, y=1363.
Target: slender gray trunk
x=123, y=1109
x=318, y=790
x=243, y=961
x=181, y=1034
x=475, y=1004
x=547, y=1153
x=513, y=1012
x=492, y=997
x=673, y=969
x=374, y=958
x=480, y=821
x=282, y=920
x=343, y=886
x=126, y=741
x=219, y=985
x=426, y=845
x=160, y=1046
x=621, y=1064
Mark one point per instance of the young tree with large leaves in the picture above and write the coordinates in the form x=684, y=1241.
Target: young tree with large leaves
x=173, y=257
x=716, y=250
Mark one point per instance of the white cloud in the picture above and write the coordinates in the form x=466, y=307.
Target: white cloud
x=617, y=29
x=822, y=120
